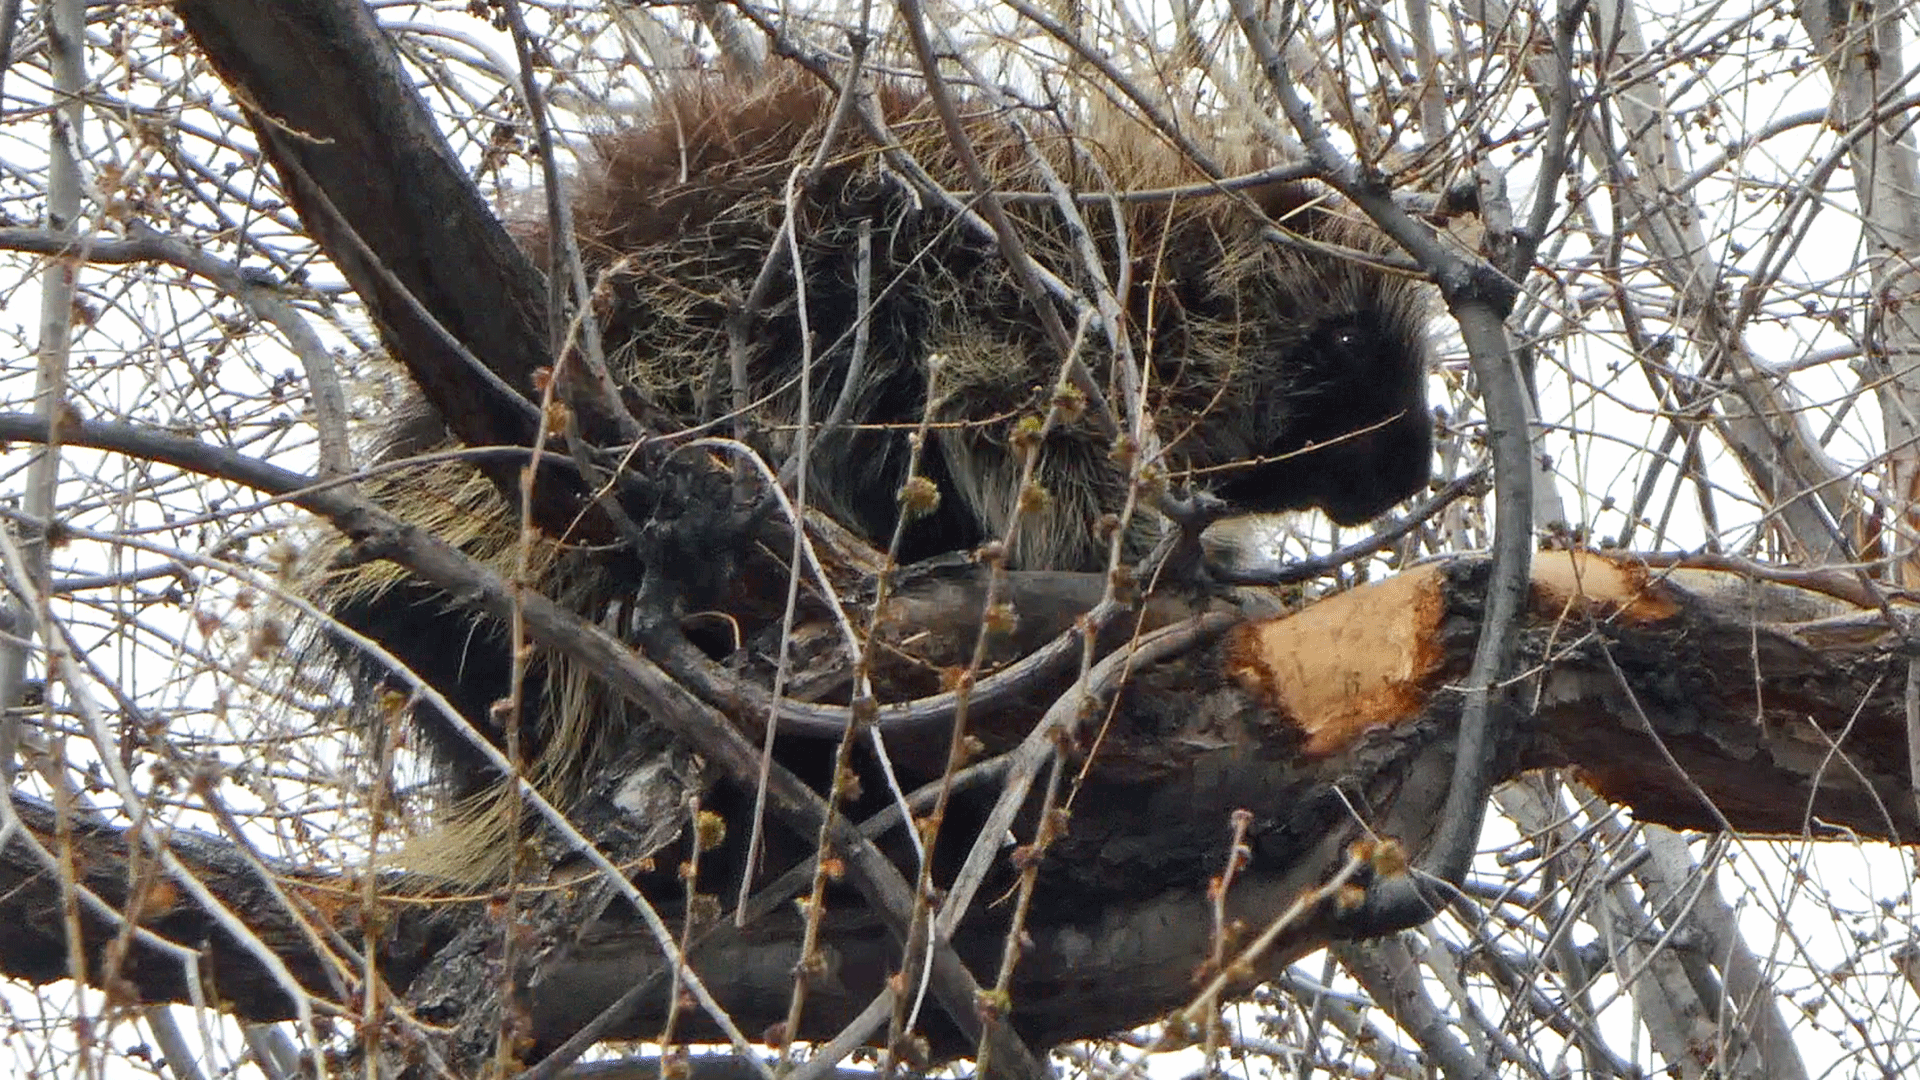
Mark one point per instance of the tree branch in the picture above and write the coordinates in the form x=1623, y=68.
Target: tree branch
x=1329, y=724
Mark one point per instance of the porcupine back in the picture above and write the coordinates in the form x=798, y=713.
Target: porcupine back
x=1252, y=348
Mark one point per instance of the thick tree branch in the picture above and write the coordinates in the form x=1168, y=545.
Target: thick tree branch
x=33, y=945
x=376, y=184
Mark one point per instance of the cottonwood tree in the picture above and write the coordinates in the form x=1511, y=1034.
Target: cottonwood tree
x=1655, y=605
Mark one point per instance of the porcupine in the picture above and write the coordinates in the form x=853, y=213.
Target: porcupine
x=1281, y=373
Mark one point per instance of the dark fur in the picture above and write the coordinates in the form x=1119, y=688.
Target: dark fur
x=1282, y=375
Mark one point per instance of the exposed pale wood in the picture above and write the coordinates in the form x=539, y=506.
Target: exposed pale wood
x=1357, y=661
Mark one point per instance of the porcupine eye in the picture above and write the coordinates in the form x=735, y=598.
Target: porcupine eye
x=1355, y=353
x=1354, y=424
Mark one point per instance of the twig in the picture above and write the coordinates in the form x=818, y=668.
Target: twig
x=1321, y=565
x=259, y=295
x=1011, y=247
x=564, y=255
